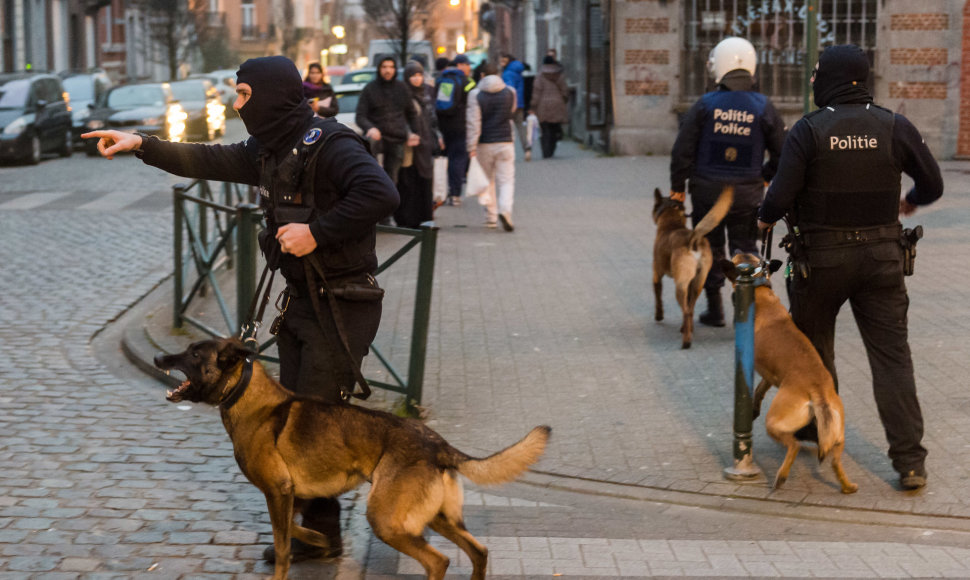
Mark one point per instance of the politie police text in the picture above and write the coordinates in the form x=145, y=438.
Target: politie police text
x=732, y=122
x=853, y=142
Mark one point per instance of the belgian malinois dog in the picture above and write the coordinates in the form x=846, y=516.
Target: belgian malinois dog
x=683, y=254
x=784, y=356
x=294, y=449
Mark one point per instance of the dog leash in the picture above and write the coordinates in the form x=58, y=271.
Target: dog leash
x=248, y=330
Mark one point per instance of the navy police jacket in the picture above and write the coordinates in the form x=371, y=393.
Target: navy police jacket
x=724, y=136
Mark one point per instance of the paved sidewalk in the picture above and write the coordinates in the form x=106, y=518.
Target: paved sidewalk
x=553, y=324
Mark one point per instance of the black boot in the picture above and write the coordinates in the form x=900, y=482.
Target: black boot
x=714, y=316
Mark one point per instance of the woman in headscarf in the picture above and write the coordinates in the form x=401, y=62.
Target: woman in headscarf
x=319, y=93
x=414, y=180
x=549, y=98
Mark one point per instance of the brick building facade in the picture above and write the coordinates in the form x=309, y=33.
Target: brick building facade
x=919, y=51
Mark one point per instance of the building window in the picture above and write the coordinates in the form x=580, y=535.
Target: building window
x=777, y=30
x=249, y=29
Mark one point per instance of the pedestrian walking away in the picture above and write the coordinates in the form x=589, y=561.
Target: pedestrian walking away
x=387, y=117
x=838, y=181
x=414, y=182
x=722, y=141
x=322, y=194
x=512, y=70
x=319, y=93
x=490, y=109
x=549, y=98
x=451, y=101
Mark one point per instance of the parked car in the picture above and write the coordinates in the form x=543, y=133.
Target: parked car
x=84, y=89
x=347, y=97
x=362, y=76
x=34, y=117
x=148, y=108
x=224, y=81
x=206, y=115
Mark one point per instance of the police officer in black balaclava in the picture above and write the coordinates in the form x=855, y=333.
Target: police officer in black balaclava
x=839, y=181
x=322, y=193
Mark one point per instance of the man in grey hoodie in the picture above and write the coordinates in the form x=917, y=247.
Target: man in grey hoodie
x=491, y=106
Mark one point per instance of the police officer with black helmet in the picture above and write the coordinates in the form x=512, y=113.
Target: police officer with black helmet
x=838, y=181
x=722, y=140
x=323, y=194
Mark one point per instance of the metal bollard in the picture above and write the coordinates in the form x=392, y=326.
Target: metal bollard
x=744, y=468
x=422, y=314
x=178, y=213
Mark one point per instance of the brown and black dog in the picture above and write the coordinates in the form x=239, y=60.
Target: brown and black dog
x=294, y=449
x=784, y=356
x=683, y=254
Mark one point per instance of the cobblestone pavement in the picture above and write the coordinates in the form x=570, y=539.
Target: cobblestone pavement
x=550, y=324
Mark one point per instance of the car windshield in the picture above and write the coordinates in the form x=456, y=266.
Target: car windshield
x=348, y=101
x=136, y=96
x=81, y=87
x=188, y=91
x=13, y=94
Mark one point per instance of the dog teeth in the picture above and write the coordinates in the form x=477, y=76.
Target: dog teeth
x=168, y=393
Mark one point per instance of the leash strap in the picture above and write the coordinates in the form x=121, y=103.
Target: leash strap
x=311, y=264
x=249, y=329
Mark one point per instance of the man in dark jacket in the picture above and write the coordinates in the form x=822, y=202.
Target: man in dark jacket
x=349, y=192
x=451, y=122
x=722, y=141
x=838, y=180
x=387, y=117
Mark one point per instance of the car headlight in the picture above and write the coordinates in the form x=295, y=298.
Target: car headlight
x=176, y=117
x=95, y=124
x=16, y=128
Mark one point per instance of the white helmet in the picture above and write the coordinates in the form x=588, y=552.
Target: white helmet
x=731, y=54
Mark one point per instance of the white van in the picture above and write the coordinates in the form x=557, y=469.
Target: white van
x=419, y=50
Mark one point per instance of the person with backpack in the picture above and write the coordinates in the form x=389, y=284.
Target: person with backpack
x=451, y=98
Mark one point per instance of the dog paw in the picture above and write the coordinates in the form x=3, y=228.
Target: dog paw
x=685, y=344
x=850, y=487
x=779, y=481
x=658, y=316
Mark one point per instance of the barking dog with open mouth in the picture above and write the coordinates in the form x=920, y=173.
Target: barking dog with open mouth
x=683, y=254
x=784, y=356
x=295, y=449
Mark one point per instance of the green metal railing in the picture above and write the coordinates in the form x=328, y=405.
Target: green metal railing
x=212, y=236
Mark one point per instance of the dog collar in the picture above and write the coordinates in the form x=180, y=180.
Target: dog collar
x=237, y=391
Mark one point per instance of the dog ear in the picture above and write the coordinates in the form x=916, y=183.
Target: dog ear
x=657, y=196
x=774, y=266
x=231, y=351
x=729, y=269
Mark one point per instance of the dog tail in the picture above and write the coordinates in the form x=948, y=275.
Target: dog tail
x=713, y=217
x=509, y=463
x=831, y=426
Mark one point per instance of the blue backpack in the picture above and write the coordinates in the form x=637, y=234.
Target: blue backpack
x=449, y=88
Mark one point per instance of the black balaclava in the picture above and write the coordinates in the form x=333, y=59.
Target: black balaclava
x=841, y=76
x=393, y=77
x=276, y=113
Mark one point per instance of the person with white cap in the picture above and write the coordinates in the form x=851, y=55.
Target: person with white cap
x=722, y=141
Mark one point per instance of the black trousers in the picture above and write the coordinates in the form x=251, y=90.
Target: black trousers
x=738, y=230
x=551, y=134
x=314, y=362
x=870, y=278
x=457, y=152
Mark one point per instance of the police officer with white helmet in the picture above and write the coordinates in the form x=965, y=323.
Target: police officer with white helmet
x=838, y=181
x=722, y=141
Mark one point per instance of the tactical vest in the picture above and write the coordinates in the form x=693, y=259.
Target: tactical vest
x=290, y=193
x=496, y=116
x=854, y=180
x=732, y=144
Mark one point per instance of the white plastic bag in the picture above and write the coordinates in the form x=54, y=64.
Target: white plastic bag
x=477, y=181
x=532, y=129
x=439, y=182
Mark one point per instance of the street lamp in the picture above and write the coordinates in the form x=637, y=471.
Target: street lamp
x=338, y=31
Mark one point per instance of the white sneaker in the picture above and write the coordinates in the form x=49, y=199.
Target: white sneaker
x=490, y=224
x=528, y=157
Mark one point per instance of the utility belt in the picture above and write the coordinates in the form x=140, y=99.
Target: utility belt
x=358, y=289
x=798, y=244
x=828, y=238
